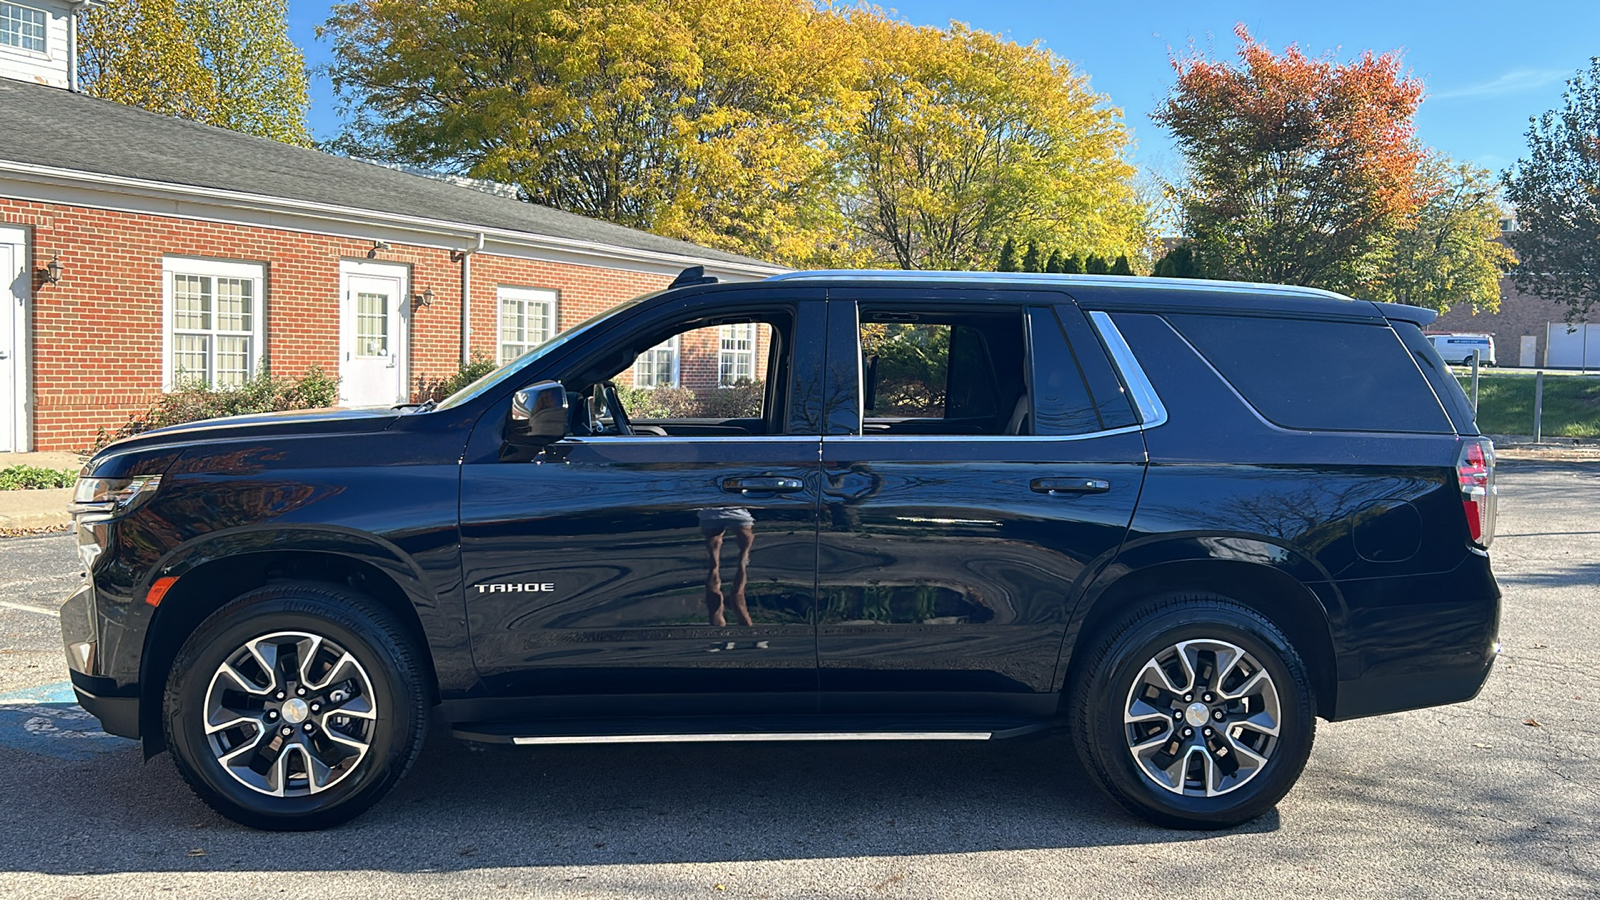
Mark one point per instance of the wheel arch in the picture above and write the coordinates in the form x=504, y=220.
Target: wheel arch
x=1282, y=598
x=211, y=573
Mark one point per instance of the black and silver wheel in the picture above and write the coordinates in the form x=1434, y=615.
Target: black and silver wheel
x=295, y=707
x=1195, y=714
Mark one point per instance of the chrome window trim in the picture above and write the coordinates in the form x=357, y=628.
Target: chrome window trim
x=953, y=438
x=1152, y=412
x=691, y=439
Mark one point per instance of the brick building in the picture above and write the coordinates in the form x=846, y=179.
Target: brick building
x=148, y=252
x=1527, y=331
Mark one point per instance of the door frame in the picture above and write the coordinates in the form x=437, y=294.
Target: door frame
x=21, y=336
x=401, y=272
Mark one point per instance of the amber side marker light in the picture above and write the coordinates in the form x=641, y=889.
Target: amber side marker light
x=159, y=589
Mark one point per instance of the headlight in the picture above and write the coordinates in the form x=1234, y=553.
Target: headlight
x=108, y=497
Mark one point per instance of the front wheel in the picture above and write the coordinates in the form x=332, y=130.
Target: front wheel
x=295, y=707
x=1195, y=714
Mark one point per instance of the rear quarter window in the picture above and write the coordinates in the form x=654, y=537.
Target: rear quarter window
x=1319, y=375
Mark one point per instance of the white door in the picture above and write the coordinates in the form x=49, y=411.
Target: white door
x=14, y=289
x=372, y=337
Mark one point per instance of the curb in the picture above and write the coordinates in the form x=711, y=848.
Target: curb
x=23, y=512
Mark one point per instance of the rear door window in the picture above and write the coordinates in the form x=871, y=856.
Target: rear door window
x=1319, y=375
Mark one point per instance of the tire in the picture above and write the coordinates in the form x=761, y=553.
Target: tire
x=354, y=702
x=1179, y=776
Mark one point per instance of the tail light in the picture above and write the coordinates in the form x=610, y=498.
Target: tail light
x=1475, y=469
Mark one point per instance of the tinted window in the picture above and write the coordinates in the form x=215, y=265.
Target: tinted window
x=1338, y=376
x=1105, y=387
x=1061, y=402
x=942, y=372
x=1444, y=384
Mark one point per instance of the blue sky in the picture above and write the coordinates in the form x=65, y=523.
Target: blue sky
x=1487, y=66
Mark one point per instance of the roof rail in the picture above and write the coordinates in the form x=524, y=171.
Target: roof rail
x=690, y=276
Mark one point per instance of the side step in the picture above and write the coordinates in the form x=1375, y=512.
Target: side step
x=746, y=728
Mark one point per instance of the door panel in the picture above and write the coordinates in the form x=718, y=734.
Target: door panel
x=372, y=336
x=637, y=545
x=949, y=571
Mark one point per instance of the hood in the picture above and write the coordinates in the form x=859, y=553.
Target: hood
x=292, y=423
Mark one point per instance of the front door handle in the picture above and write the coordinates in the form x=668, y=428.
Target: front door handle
x=1057, y=486
x=762, y=484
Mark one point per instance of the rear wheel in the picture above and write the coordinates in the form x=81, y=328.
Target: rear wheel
x=295, y=707
x=1196, y=713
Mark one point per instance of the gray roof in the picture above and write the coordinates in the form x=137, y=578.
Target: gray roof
x=53, y=127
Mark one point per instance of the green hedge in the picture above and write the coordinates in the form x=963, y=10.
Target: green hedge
x=260, y=394
x=32, y=478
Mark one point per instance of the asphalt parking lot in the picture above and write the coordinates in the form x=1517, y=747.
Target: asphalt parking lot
x=1496, y=797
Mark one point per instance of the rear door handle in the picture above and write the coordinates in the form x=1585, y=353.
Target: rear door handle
x=762, y=484
x=1055, y=486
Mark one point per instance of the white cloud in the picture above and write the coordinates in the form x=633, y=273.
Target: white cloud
x=1514, y=82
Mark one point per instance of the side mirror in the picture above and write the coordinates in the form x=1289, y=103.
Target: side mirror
x=538, y=414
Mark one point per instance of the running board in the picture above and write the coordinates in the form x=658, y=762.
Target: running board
x=718, y=730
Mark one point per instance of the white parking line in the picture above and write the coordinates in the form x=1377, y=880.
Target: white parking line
x=33, y=609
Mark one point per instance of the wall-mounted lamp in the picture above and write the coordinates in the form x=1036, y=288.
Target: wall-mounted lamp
x=52, y=272
x=376, y=246
x=426, y=297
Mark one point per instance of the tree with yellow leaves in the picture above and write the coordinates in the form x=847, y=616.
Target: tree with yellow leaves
x=697, y=119
x=227, y=63
x=968, y=139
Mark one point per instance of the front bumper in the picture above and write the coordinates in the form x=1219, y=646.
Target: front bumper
x=116, y=706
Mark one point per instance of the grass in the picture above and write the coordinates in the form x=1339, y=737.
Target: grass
x=1505, y=404
x=26, y=478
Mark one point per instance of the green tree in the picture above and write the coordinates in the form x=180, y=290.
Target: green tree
x=1072, y=265
x=1030, y=259
x=1094, y=265
x=966, y=135
x=1556, y=192
x=1301, y=170
x=1008, y=256
x=1121, y=266
x=1179, y=262
x=227, y=63
x=707, y=120
x=1054, y=263
x=1449, y=253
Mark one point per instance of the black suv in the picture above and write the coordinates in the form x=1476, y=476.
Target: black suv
x=1179, y=520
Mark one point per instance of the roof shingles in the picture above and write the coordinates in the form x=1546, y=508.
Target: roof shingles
x=52, y=127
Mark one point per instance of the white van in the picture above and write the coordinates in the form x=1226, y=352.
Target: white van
x=1457, y=348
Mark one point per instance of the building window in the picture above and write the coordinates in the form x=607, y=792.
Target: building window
x=737, y=360
x=658, y=366
x=22, y=26
x=527, y=319
x=213, y=329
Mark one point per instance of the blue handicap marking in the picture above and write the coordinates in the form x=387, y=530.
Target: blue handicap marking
x=49, y=721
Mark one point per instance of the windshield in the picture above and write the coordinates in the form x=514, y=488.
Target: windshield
x=488, y=381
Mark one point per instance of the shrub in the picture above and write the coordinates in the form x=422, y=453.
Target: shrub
x=468, y=373
x=738, y=401
x=262, y=393
x=28, y=478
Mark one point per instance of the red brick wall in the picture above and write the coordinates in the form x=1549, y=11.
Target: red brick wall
x=97, y=342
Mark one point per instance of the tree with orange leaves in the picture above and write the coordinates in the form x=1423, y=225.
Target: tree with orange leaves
x=1300, y=170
